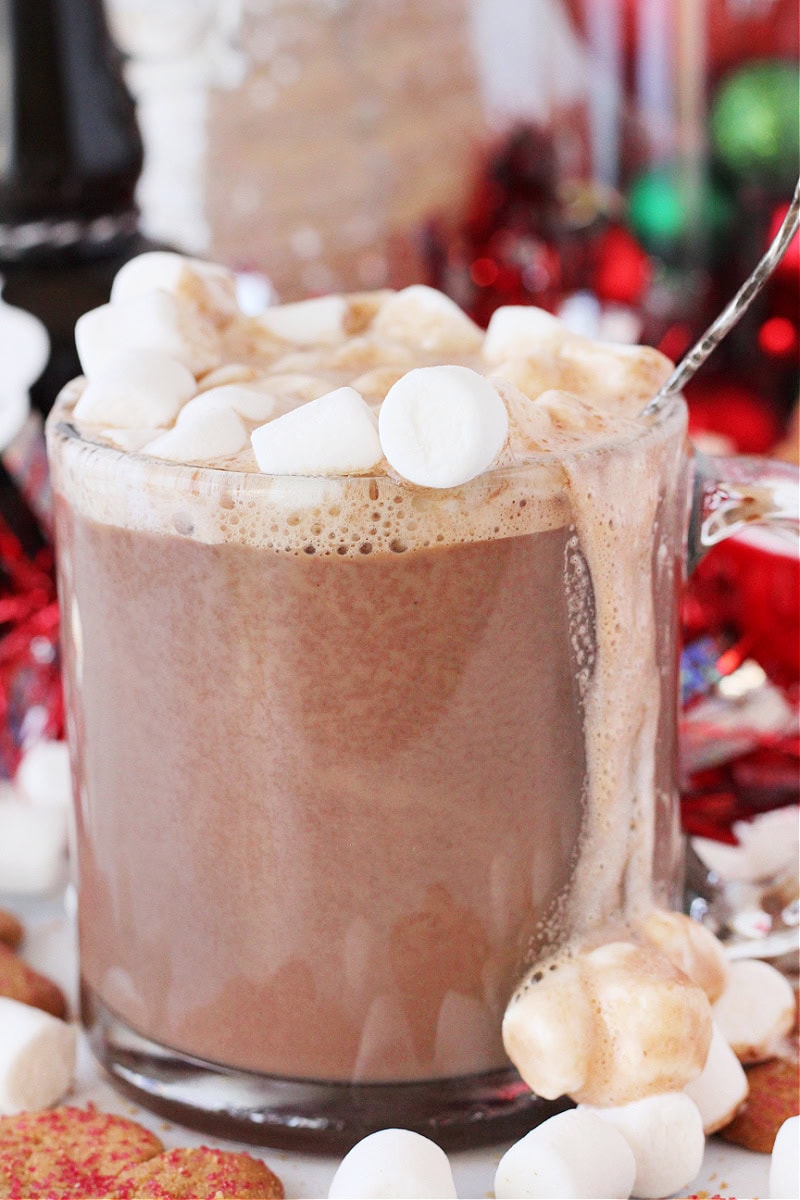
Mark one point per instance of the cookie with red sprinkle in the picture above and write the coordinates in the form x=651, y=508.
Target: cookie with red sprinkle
x=65, y=1152
x=20, y=982
x=10, y=929
x=199, y=1173
x=774, y=1097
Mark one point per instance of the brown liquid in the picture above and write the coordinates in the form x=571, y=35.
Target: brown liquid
x=344, y=774
x=322, y=797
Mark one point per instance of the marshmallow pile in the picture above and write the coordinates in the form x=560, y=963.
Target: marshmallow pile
x=34, y=821
x=650, y=1038
x=647, y=1149
x=400, y=383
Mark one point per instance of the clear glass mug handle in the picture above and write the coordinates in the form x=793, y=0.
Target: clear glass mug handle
x=729, y=494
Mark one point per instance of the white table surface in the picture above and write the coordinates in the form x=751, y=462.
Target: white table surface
x=50, y=948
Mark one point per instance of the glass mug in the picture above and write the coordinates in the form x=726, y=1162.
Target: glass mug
x=348, y=755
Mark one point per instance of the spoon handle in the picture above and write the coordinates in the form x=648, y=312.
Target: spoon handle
x=732, y=313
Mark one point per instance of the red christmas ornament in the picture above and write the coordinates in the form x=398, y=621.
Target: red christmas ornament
x=31, y=702
x=622, y=268
x=735, y=411
x=777, y=337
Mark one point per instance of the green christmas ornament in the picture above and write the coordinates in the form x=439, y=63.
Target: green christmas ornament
x=755, y=122
x=664, y=217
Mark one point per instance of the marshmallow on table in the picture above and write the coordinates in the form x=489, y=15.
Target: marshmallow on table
x=722, y=1086
x=784, y=1167
x=37, y=1057
x=44, y=776
x=33, y=846
x=442, y=426
x=574, y=1154
x=201, y=435
x=394, y=1163
x=333, y=435
x=155, y=320
x=690, y=947
x=136, y=389
x=208, y=286
x=426, y=319
x=608, y=1026
x=308, y=322
x=756, y=1009
x=665, y=1133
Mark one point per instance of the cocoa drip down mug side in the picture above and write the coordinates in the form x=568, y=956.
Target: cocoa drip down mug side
x=349, y=756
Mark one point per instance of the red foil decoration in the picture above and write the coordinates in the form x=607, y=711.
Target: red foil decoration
x=31, y=703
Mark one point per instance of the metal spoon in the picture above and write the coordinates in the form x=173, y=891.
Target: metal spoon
x=732, y=314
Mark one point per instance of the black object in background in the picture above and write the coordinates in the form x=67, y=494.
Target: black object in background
x=70, y=156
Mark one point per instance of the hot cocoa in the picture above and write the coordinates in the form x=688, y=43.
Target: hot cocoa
x=353, y=753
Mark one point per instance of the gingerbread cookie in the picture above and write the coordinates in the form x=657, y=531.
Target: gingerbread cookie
x=773, y=1097
x=20, y=982
x=199, y=1173
x=65, y=1152
x=11, y=930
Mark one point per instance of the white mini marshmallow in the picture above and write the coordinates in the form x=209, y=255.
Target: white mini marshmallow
x=426, y=319
x=519, y=331
x=442, y=426
x=43, y=776
x=149, y=321
x=33, y=846
x=208, y=285
x=548, y=1029
x=250, y=403
x=690, y=947
x=37, y=1058
x=628, y=375
x=574, y=1154
x=665, y=1134
x=137, y=389
x=308, y=322
x=784, y=1167
x=201, y=436
x=394, y=1163
x=571, y=414
x=756, y=1009
x=333, y=435
x=608, y=1026
x=721, y=1087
